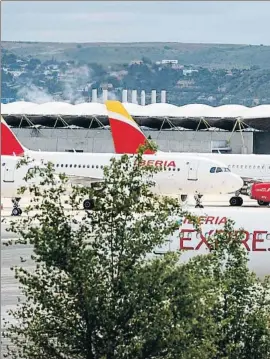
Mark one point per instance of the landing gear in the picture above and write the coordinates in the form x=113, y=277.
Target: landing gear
x=88, y=204
x=262, y=203
x=236, y=201
x=198, y=199
x=16, y=210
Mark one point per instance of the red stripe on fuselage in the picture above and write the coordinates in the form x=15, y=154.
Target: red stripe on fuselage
x=9, y=144
x=126, y=138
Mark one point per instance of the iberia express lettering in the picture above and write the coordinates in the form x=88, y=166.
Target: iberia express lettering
x=208, y=220
x=192, y=240
x=158, y=163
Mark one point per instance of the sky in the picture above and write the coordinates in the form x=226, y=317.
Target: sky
x=232, y=22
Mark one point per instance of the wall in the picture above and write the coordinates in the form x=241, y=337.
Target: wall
x=99, y=140
x=261, y=142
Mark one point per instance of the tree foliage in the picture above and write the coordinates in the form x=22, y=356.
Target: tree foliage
x=96, y=292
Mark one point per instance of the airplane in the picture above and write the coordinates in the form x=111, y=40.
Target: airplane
x=254, y=225
x=180, y=175
x=253, y=169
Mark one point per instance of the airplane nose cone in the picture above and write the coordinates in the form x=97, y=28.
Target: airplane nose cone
x=232, y=184
x=237, y=182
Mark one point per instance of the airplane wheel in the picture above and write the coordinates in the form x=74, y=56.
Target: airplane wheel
x=88, y=204
x=240, y=201
x=233, y=201
x=236, y=201
x=199, y=206
x=262, y=203
x=16, y=212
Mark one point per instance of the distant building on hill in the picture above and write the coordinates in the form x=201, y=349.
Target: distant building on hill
x=136, y=62
x=167, y=62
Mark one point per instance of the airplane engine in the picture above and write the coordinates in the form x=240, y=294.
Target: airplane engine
x=261, y=192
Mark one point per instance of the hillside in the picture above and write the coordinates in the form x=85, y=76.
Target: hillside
x=206, y=55
x=198, y=73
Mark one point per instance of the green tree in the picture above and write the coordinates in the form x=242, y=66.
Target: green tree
x=32, y=64
x=146, y=60
x=6, y=76
x=97, y=293
x=241, y=312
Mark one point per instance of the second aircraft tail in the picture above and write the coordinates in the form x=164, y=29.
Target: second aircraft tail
x=127, y=135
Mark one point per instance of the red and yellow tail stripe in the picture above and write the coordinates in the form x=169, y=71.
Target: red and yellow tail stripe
x=127, y=135
x=10, y=145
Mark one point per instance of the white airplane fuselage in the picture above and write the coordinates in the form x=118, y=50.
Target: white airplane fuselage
x=256, y=167
x=252, y=166
x=180, y=174
x=253, y=223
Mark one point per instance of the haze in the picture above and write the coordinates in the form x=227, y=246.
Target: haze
x=231, y=22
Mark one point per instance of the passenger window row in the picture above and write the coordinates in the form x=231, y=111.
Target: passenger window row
x=249, y=167
x=101, y=166
x=78, y=166
x=249, y=235
x=171, y=169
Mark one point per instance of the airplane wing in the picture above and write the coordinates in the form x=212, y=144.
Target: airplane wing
x=83, y=180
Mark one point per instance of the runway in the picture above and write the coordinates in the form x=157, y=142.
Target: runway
x=11, y=255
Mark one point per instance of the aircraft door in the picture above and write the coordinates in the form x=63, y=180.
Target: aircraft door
x=9, y=172
x=192, y=170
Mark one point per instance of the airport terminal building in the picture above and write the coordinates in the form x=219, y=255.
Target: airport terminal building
x=60, y=126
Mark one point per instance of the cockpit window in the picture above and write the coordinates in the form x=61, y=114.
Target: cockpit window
x=219, y=169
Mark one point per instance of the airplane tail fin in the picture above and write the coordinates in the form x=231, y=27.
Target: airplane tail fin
x=10, y=145
x=127, y=135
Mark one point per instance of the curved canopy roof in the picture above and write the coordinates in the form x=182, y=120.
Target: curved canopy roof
x=189, y=116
